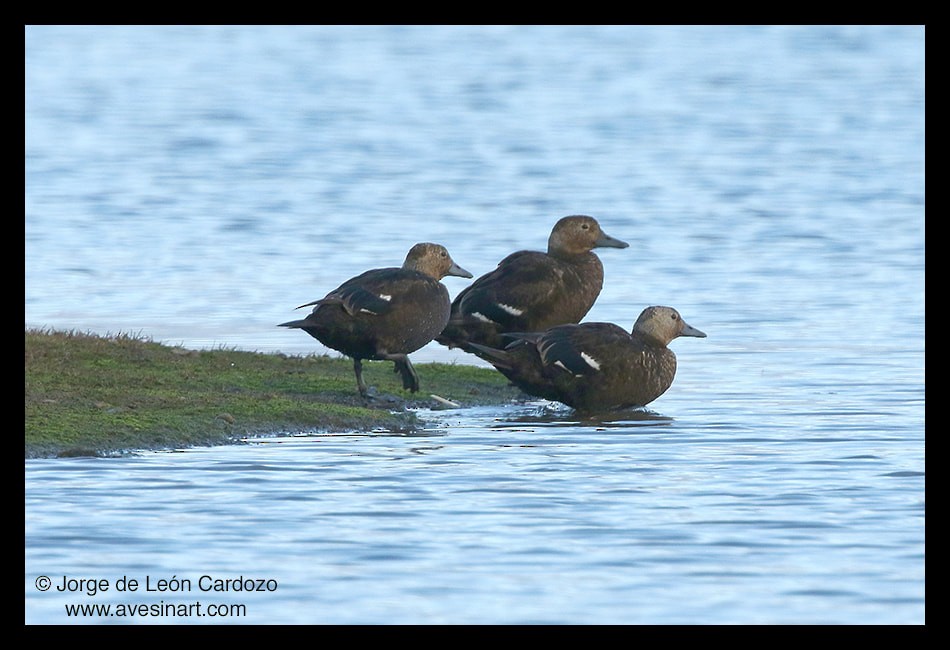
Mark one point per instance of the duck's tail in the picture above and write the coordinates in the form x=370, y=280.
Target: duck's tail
x=494, y=356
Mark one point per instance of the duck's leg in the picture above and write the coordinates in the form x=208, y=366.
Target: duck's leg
x=358, y=369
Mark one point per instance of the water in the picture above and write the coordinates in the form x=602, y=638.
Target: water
x=195, y=184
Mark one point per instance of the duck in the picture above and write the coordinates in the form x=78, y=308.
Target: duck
x=532, y=291
x=386, y=313
x=596, y=366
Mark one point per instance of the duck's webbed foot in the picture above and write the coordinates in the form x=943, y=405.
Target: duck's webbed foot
x=402, y=366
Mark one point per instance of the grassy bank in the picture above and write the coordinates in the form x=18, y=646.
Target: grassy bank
x=94, y=395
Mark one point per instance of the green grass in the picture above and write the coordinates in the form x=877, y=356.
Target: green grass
x=98, y=395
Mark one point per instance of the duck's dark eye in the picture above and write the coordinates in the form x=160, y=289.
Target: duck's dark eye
x=674, y=316
x=585, y=226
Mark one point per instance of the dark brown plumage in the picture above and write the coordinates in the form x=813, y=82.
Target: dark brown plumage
x=385, y=314
x=531, y=291
x=595, y=366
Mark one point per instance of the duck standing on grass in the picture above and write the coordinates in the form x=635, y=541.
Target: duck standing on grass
x=385, y=314
x=531, y=291
x=595, y=367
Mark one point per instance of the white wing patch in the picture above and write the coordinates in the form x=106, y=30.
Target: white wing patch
x=560, y=365
x=482, y=317
x=385, y=297
x=514, y=311
x=590, y=361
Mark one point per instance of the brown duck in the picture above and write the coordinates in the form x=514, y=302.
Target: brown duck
x=385, y=314
x=595, y=366
x=531, y=291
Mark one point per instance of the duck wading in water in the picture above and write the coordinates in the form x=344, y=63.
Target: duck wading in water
x=595, y=366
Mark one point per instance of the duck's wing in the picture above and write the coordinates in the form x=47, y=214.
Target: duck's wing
x=368, y=293
x=579, y=349
x=512, y=293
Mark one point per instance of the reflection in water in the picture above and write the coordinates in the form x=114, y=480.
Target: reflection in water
x=550, y=414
